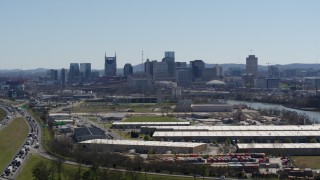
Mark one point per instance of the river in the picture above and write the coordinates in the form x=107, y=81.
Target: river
x=256, y=105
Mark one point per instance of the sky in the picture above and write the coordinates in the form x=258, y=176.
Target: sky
x=53, y=34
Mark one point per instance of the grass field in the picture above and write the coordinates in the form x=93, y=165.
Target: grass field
x=11, y=139
x=46, y=136
x=26, y=172
x=307, y=161
x=90, y=107
x=3, y=114
x=151, y=119
x=68, y=170
x=10, y=102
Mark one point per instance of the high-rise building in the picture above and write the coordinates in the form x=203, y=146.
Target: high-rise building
x=127, y=70
x=85, y=70
x=252, y=65
x=218, y=70
x=169, y=60
x=148, y=67
x=160, y=71
x=169, y=54
x=63, y=76
x=196, y=67
x=53, y=74
x=181, y=65
x=182, y=76
x=208, y=74
x=110, y=65
x=273, y=72
x=74, y=72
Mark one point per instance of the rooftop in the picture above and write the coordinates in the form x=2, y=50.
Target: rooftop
x=151, y=123
x=236, y=133
x=88, y=131
x=141, y=143
x=243, y=128
x=279, y=145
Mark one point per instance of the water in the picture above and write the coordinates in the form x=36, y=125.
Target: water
x=256, y=105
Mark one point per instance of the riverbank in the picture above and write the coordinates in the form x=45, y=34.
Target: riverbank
x=313, y=115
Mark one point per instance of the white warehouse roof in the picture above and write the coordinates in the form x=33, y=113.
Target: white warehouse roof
x=141, y=143
x=151, y=123
x=241, y=128
x=279, y=145
x=235, y=133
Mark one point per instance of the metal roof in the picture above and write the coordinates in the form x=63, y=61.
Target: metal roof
x=279, y=145
x=241, y=128
x=59, y=114
x=151, y=123
x=142, y=143
x=235, y=133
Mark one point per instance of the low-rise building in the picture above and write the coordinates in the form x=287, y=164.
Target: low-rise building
x=158, y=147
x=294, y=149
x=136, y=125
x=88, y=133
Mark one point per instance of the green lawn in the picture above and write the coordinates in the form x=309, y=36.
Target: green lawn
x=307, y=161
x=26, y=172
x=90, y=107
x=46, y=136
x=3, y=114
x=12, y=138
x=69, y=170
x=151, y=119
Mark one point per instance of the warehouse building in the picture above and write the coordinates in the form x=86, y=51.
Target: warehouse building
x=54, y=116
x=235, y=136
x=295, y=149
x=137, y=125
x=87, y=133
x=158, y=147
x=152, y=129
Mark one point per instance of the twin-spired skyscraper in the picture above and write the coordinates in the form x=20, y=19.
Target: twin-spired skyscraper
x=110, y=65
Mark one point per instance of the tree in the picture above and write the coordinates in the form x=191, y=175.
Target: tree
x=287, y=140
x=41, y=171
x=227, y=142
x=147, y=138
x=313, y=140
x=59, y=163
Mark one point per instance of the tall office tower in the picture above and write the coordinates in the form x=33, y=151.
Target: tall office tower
x=182, y=76
x=197, y=67
x=85, y=70
x=252, y=65
x=53, y=74
x=181, y=65
x=160, y=71
x=127, y=70
x=74, y=72
x=273, y=72
x=169, y=59
x=148, y=67
x=218, y=70
x=63, y=76
x=110, y=65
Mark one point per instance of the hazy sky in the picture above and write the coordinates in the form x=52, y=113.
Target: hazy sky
x=53, y=34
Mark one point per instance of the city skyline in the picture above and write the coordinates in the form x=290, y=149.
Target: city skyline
x=39, y=34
